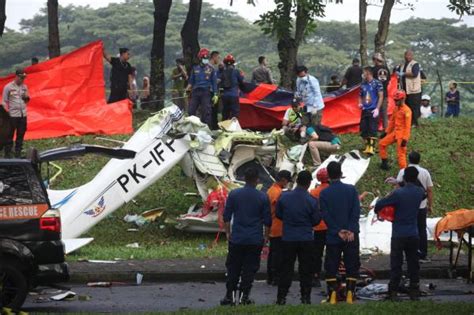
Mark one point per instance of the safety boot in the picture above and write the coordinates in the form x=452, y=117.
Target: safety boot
x=367, y=146
x=332, y=290
x=306, y=295
x=384, y=165
x=370, y=150
x=229, y=298
x=350, y=290
x=244, y=298
x=281, y=296
x=414, y=292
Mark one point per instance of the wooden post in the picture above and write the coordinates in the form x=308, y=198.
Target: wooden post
x=440, y=82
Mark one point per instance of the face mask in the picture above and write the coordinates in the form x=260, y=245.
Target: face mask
x=205, y=61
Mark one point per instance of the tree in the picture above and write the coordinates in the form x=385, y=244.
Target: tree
x=363, y=32
x=383, y=27
x=190, y=33
x=3, y=16
x=157, y=56
x=54, y=47
x=288, y=15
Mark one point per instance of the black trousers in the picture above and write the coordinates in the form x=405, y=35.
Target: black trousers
x=409, y=246
x=117, y=94
x=304, y=251
x=274, y=259
x=350, y=251
x=423, y=245
x=319, y=244
x=243, y=262
x=214, y=116
x=230, y=107
x=414, y=102
x=18, y=125
x=368, y=125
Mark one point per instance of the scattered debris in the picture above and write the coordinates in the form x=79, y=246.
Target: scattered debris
x=132, y=230
x=139, y=278
x=203, y=267
x=133, y=245
x=373, y=291
x=101, y=261
x=66, y=296
x=135, y=218
x=104, y=284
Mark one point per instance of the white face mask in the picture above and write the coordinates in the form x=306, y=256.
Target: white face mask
x=205, y=61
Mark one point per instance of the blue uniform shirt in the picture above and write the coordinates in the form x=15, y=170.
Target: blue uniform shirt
x=203, y=77
x=235, y=79
x=406, y=201
x=299, y=212
x=341, y=210
x=249, y=209
x=369, y=91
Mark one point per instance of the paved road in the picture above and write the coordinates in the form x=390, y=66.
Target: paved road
x=176, y=296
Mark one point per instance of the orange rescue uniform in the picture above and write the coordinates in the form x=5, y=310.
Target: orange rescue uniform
x=398, y=129
x=315, y=193
x=274, y=193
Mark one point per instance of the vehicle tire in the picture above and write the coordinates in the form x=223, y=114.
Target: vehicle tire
x=13, y=285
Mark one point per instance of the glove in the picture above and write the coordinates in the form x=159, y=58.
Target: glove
x=391, y=181
x=383, y=135
x=215, y=99
x=404, y=143
x=375, y=113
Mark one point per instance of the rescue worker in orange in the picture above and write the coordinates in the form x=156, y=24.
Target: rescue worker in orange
x=398, y=131
x=274, y=256
x=320, y=229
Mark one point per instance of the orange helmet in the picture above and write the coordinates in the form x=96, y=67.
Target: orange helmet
x=229, y=59
x=399, y=95
x=322, y=175
x=203, y=53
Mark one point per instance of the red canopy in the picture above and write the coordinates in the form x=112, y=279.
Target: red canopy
x=68, y=97
x=263, y=108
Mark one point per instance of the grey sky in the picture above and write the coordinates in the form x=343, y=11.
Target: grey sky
x=436, y=9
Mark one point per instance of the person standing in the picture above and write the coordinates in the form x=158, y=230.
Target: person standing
x=334, y=84
x=370, y=101
x=340, y=208
x=249, y=210
x=203, y=83
x=299, y=213
x=145, y=92
x=353, y=75
x=14, y=101
x=307, y=88
x=453, y=100
x=409, y=77
x=275, y=255
x=120, y=76
x=320, y=229
x=426, y=206
x=179, y=77
x=262, y=74
x=398, y=131
x=215, y=62
x=230, y=80
x=405, y=236
x=425, y=108
x=381, y=72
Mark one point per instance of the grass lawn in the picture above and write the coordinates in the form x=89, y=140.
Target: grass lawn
x=446, y=147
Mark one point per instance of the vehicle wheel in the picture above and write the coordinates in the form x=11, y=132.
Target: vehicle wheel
x=13, y=285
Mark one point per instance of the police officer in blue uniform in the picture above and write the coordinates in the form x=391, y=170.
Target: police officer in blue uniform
x=340, y=208
x=249, y=210
x=299, y=213
x=405, y=238
x=230, y=79
x=203, y=83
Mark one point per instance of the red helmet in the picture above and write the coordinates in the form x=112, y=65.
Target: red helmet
x=322, y=175
x=229, y=59
x=203, y=53
x=386, y=214
x=399, y=95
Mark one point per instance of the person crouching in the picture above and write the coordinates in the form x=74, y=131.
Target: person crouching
x=405, y=238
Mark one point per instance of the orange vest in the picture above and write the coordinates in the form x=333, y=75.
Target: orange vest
x=274, y=193
x=400, y=122
x=315, y=193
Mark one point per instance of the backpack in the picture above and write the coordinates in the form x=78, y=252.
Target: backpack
x=226, y=78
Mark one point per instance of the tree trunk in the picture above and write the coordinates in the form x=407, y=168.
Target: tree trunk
x=384, y=24
x=157, y=56
x=190, y=34
x=3, y=16
x=363, y=32
x=287, y=51
x=53, y=29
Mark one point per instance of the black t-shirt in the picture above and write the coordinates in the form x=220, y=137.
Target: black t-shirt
x=120, y=72
x=353, y=76
x=382, y=74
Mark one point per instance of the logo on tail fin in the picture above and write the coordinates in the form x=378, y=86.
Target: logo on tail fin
x=98, y=209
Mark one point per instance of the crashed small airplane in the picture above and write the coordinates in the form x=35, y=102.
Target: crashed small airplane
x=215, y=160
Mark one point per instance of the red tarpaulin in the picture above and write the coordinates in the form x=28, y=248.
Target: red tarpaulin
x=68, y=97
x=263, y=108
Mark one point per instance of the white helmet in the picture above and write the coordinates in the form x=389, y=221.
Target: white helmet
x=426, y=97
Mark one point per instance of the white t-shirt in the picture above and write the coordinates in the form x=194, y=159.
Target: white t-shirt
x=425, y=111
x=423, y=176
